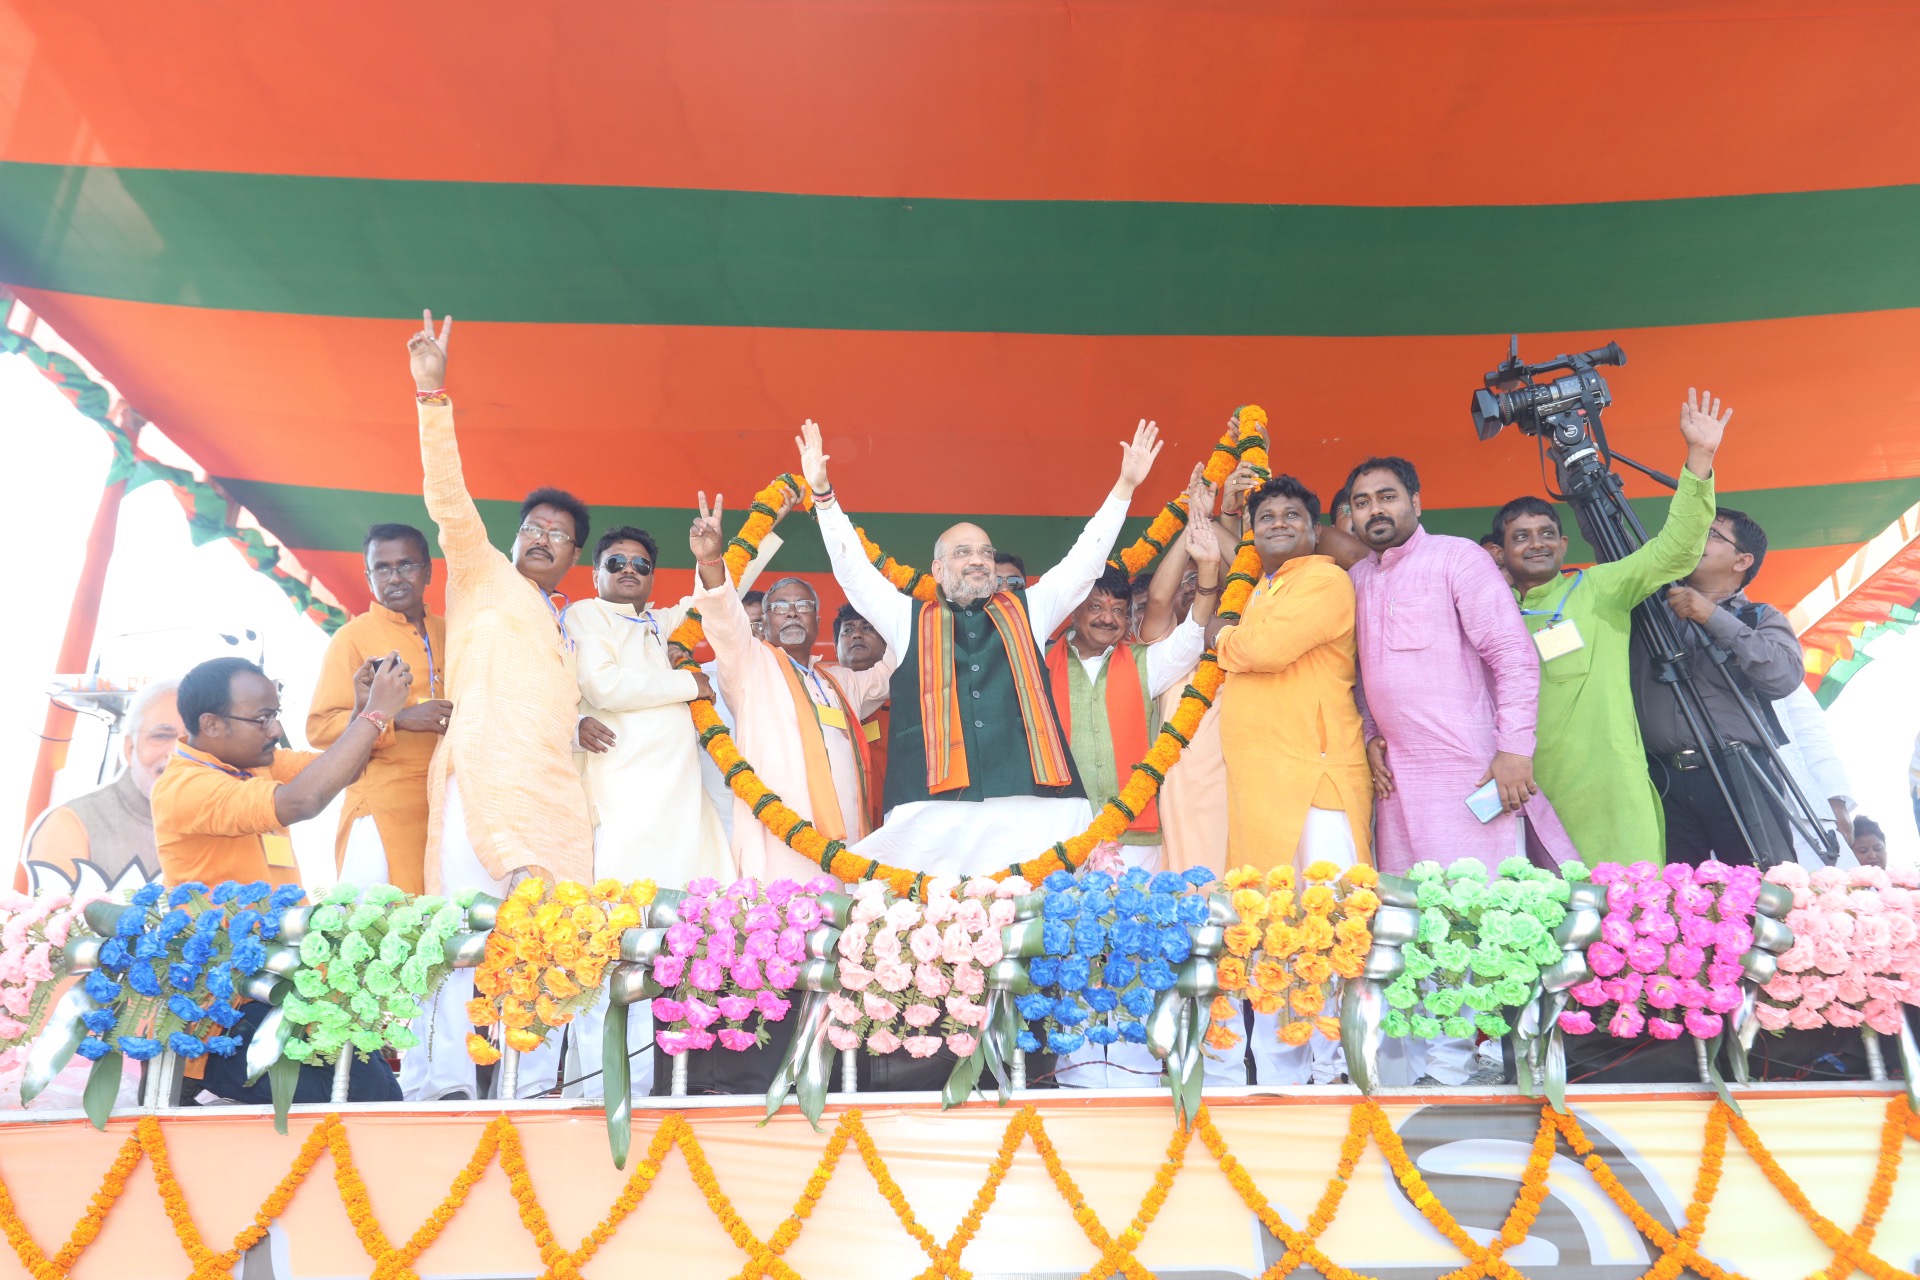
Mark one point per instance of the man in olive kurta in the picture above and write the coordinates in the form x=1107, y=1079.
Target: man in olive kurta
x=1589, y=759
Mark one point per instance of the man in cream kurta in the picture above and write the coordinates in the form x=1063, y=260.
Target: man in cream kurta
x=651, y=817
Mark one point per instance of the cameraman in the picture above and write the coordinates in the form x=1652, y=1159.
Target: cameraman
x=1589, y=759
x=1763, y=655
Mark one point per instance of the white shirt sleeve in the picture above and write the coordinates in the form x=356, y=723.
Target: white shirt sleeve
x=1807, y=726
x=1174, y=654
x=768, y=545
x=874, y=598
x=1059, y=590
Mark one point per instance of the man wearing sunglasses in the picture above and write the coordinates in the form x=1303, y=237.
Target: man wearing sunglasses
x=383, y=818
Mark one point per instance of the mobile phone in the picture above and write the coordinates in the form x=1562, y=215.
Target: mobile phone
x=1485, y=803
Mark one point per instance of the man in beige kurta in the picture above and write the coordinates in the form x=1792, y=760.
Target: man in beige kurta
x=505, y=796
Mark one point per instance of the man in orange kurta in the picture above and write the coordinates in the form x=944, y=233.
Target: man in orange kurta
x=383, y=816
x=1289, y=726
x=1299, y=790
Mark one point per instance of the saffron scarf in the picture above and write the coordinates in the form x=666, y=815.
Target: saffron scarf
x=822, y=796
x=940, y=696
x=1127, y=715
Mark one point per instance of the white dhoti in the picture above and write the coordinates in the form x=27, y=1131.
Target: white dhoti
x=439, y=1065
x=364, y=861
x=973, y=837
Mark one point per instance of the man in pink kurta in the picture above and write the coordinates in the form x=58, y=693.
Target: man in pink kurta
x=1449, y=687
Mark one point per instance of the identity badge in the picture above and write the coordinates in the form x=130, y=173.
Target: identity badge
x=1558, y=640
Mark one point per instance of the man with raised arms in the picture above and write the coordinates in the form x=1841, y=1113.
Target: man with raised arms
x=979, y=774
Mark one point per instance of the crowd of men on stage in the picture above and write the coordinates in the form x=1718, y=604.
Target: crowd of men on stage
x=1391, y=695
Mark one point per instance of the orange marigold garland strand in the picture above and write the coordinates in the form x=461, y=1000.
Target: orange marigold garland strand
x=1143, y=783
x=132, y=1151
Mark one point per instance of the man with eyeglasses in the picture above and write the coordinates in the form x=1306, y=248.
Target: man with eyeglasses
x=858, y=646
x=383, y=817
x=796, y=717
x=979, y=773
x=504, y=794
x=1763, y=655
x=223, y=804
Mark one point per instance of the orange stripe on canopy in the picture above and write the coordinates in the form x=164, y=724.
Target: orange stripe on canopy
x=1376, y=102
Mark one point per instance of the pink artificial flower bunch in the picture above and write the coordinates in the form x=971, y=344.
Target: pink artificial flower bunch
x=33, y=937
x=1855, y=956
x=734, y=950
x=1668, y=961
x=913, y=975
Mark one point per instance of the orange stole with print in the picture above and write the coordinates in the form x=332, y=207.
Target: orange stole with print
x=823, y=797
x=940, y=696
x=1126, y=716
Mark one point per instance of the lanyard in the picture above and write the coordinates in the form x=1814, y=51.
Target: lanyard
x=433, y=675
x=1564, y=597
x=644, y=620
x=808, y=674
x=558, y=622
x=229, y=770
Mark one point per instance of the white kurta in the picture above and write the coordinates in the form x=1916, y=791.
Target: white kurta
x=968, y=837
x=652, y=818
x=1816, y=766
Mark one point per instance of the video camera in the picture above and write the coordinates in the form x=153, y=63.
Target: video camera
x=1562, y=410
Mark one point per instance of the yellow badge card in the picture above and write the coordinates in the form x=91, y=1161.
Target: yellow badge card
x=279, y=850
x=832, y=717
x=873, y=730
x=1558, y=640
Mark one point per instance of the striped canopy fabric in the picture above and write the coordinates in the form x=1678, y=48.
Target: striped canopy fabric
x=976, y=240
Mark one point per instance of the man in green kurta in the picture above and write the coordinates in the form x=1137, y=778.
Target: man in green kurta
x=1589, y=759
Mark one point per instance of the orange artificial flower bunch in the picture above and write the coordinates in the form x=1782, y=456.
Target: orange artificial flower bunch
x=1297, y=933
x=550, y=945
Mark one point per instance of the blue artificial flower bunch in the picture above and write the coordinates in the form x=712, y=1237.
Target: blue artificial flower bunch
x=1112, y=943
x=173, y=967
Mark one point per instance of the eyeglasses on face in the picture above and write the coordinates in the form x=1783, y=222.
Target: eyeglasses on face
x=784, y=608
x=1714, y=535
x=620, y=564
x=556, y=536
x=259, y=722
x=387, y=572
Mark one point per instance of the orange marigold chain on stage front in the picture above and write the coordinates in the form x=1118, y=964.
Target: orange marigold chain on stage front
x=1243, y=443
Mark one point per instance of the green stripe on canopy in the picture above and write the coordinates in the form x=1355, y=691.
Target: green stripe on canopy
x=625, y=255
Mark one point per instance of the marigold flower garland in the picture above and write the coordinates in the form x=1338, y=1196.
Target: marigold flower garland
x=1142, y=785
x=550, y=946
x=1304, y=940
x=728, y=959
x=1367, y=1122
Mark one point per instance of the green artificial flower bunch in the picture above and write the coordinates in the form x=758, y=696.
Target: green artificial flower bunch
x=369, y=961
x=1481, y=945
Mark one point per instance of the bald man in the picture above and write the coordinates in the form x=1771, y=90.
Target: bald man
x=979, y=774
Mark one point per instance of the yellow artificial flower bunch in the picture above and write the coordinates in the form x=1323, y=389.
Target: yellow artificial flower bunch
x=549, y=949
x=1297, y=933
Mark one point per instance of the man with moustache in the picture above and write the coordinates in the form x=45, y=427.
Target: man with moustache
x=859, y=646
x=505, y=797
x=1449, y=686
x=651, y=818
x=979, y=774
x=795, y=717
x=1106, y=691
x=383, y=816
x=1299, y=789
x=111, y=828
x=1589, y=760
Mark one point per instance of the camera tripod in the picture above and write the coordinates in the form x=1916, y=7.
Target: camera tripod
x=1752, y=788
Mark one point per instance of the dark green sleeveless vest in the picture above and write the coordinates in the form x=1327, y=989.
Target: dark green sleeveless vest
x=990, y=723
